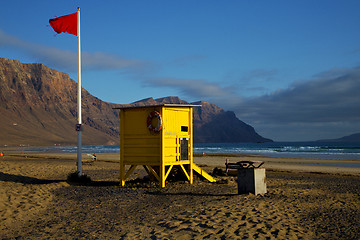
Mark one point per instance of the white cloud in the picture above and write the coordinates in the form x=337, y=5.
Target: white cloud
x=192, y=88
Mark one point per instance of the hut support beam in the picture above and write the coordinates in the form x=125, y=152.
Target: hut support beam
x=184, y=170
x=129, y=172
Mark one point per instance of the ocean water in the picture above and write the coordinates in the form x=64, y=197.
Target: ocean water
x=345, y=151
x=317, y=150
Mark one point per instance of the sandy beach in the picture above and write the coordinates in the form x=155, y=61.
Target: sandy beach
x=306, y=199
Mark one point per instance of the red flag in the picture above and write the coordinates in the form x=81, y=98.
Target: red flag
x=67, y=23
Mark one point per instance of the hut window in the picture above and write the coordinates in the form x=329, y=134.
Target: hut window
x=184, y=128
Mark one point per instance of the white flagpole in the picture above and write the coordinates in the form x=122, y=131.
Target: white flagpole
x=79, y=125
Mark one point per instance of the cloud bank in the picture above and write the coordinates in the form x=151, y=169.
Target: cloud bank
x=326, y=106
x=323, y=107
x=67, y=60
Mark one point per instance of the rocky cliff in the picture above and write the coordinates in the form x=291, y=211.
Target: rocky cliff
x=38, y=107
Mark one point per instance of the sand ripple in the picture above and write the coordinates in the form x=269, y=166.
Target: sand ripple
x=23, y=196
x=37, y=203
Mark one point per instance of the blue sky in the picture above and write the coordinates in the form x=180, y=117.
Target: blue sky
x=288, y=68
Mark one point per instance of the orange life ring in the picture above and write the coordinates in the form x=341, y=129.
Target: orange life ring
x=149, y=119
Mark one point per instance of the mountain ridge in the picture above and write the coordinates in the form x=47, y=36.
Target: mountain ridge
x=211, y=123
x=349, y=138
x=39, y=107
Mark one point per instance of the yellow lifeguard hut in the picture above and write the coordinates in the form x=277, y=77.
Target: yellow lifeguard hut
x=157, y=137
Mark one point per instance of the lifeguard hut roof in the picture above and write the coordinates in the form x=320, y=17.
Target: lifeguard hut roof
x=127, y=106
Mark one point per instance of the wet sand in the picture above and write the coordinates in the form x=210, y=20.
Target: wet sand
x=303, y=201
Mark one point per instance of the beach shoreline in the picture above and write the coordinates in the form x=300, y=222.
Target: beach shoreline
x=303, y=201
x=333, y=166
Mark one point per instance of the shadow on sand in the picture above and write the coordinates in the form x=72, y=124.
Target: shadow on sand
x=5, y=177
x=193, y=194
x=103, y=183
